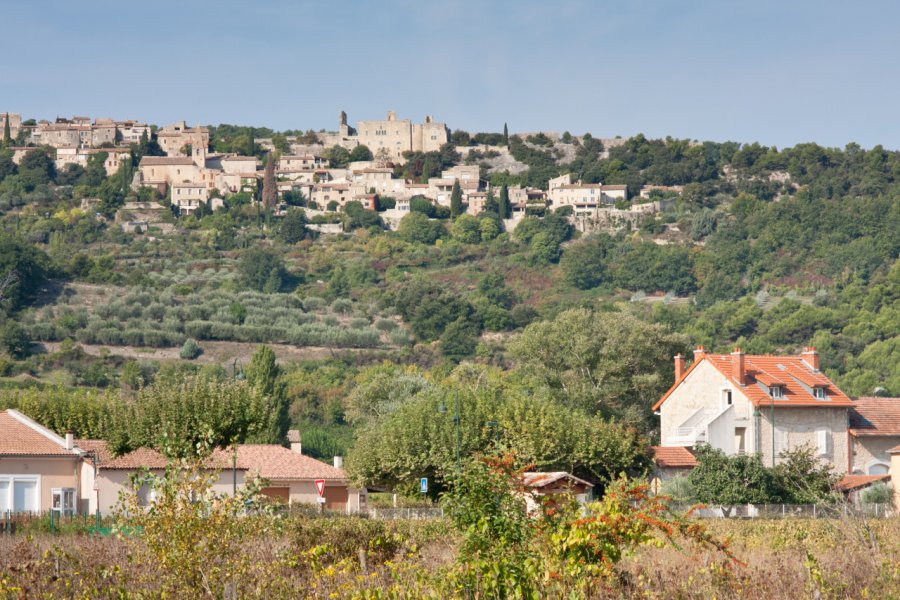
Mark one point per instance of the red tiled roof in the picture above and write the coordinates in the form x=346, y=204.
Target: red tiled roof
x=875, y=416
x=673, y=457
x=855, y=482
x=266, y=460
x=20, y=436
x=278, y=463
x=791, y=373
x=97, y=447
x=534, y=479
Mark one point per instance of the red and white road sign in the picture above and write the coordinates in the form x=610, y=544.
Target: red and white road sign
x=320, y=485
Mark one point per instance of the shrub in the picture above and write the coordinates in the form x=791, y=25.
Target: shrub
x=342, y=306
x=385, y=325
x=190, y=350
x=879, y=493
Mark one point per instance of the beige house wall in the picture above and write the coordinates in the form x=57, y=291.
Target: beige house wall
x=114, y=481
x=55, y=472
x=798, y=427
x=869, y=451
x=895, y=478
x=704, y=389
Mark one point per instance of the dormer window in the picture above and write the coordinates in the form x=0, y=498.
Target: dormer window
x=819, y=393
x=776, y=392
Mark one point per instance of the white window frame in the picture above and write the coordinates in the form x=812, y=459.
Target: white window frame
x=727, y=397
x=12, y=479
x=819, y=393
x=776, y=392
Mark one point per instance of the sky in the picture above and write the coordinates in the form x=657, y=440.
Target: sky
x=779, y=72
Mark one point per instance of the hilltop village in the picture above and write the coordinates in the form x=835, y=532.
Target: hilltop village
x=324, y=171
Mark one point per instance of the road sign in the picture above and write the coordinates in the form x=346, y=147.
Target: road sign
x=321, y=500
x=320, y=486
x=423, y=485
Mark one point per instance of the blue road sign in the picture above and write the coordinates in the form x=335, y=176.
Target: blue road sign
x=423, y=484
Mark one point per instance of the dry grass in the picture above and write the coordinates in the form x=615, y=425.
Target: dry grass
x=788, y=559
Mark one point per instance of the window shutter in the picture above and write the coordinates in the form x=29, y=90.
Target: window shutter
x=822, y=439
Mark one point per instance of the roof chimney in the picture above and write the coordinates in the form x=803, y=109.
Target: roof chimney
x=294, y=439
x=338, y=462
x=737, y=366
x=699, y=353
x=679, y=366
x=70, y=440
x=811, y=357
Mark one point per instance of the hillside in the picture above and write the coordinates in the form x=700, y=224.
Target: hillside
x=768, y=249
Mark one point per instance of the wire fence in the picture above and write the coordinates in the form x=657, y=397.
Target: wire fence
x=413, y=513
x=46, y=521
x=787, y=511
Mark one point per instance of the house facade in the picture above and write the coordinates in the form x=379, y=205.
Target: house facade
x=760, y=404
x=874, y=431
x=39, y=470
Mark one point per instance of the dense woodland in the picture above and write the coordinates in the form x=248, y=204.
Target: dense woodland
x=555, y=344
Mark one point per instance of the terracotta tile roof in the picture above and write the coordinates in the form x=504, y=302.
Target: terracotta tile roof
x=875, y=416
x=278, y=463
x=855, y=482
x=20, y=436
x=98, y=447
x=614, y=188
x=791, y=373
x=166, y=160
x=537, y=480
x=153, y=459
x=266, y=460
x=673, y=457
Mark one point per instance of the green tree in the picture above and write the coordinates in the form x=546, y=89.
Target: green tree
x=505, y=135
x=269, y=189
x=257, y=266
x=456, y=205
x=583, y=262
x=15, y=340
x=293, y=226
x=503, y=206
x=466, y=229
x=417, y=228
x=360, y=153
x=459, y=339
x=729, y=480
x=190, y=350
x=7, y=136
x=338, y=157
x=608, y=363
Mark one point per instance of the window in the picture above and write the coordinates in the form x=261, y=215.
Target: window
x=823, y=438
x=19, y=493
x=726, y=397
x=63, y=500
x=776, y=392
x=819, y=393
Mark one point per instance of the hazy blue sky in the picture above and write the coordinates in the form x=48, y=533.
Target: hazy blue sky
x=777, y=72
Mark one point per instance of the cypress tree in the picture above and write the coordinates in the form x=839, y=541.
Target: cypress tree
x=490, y=203
x=456, y=200
x=503, y=208
x=506, y=135
x=7, y=136
x=268, y=191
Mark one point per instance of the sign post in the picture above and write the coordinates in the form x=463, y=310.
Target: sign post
x=423, y=485
x=320, y=487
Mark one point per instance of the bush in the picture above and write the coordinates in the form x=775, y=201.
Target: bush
x=879, y=493
x=342, y=306
x=190, y=350
x=15, y=340
x=385, y=325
